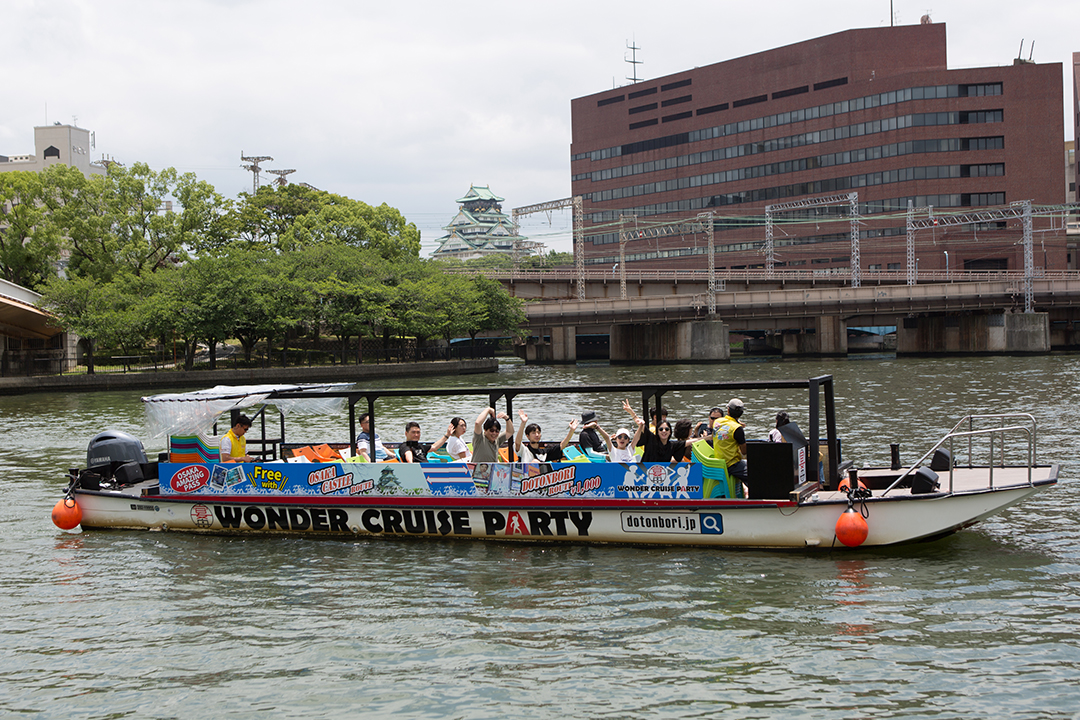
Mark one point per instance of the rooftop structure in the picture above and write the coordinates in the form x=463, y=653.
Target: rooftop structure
x=479, y=228
x=53, y=144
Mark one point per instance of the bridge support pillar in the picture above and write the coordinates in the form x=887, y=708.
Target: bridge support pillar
x=692, y=341
x=969, y=334
x=562, y=348
x=829, y=338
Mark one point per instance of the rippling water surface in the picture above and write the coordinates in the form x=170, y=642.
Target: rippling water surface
x=164, y=625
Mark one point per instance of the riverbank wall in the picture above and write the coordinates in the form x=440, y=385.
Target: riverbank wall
x=167, y=380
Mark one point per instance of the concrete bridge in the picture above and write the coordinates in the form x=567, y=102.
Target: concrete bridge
x=804, y=314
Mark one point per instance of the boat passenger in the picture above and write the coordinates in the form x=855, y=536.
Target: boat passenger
x=704, y=428
x=487, y=436
x=455, y=446
x=233, y=444
x=660, y=411
x=588, y=438
x=681, y=433
x=533, y=450
x=364, y=439
x=775, y=434
x=729, y=440
x=411, y=451
x=659, y=447
x=623, y=444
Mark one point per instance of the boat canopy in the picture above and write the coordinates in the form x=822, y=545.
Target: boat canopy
x=197, y=411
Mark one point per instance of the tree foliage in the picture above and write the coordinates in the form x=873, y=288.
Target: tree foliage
x=28, y=245
x=160, y=256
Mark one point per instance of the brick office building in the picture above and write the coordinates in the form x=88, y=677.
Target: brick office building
x=871, y=110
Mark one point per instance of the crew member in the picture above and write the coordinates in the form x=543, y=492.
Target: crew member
x=729, y=440
x=234, y=445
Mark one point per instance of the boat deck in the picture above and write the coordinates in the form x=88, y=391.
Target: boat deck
x=962, y=480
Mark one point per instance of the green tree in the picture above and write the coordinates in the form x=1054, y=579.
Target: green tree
x=135, y=220
x=356, y=224
x=99, y=313
x=29, y=247
x=501, y=312
x=178, y=303
x=292, y=217
x=452, y=305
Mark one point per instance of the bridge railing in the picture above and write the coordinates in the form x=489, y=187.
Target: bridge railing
x=833, y=274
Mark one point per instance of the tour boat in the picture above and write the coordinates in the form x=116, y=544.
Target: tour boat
x=798, y=494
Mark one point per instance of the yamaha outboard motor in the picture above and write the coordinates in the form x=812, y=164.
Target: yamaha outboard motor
x=117, y=456
x=114, y=446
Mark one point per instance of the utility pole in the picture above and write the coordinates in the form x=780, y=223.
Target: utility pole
x=253, y=166
x=281, y=181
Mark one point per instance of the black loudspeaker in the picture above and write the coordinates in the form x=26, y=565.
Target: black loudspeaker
x=90, y=480
x=942, y=460
x=128, y=474
x=924, y=480
x=771, y=470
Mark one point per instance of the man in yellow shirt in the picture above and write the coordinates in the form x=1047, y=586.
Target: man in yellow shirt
x=729, y=440
x=234, y=445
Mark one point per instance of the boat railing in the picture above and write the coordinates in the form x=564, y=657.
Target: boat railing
x=1004, y=431
x=969, y=420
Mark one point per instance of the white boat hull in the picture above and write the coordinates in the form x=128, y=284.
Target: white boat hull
x=893, y=519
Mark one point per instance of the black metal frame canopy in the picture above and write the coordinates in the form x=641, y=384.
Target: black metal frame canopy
x=649, y=393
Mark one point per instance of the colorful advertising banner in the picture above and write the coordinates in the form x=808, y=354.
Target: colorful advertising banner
x=530, y=480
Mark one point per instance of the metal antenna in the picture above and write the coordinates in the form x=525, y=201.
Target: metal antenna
x=281, y=181
x=634, y=62
x=254, y=161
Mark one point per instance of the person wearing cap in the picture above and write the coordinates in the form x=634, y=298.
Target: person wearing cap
x=622, y=446
x=588, y=438
x=729, y=440
x=535, y=451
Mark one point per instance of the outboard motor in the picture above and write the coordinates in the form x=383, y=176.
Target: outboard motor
x=114, y=455
x=114, y=446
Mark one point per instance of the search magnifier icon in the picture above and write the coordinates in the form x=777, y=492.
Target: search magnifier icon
x=712, y=524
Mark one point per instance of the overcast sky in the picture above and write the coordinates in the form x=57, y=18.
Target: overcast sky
x=406, y=102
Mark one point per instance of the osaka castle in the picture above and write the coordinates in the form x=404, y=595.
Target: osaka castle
x=479, y=228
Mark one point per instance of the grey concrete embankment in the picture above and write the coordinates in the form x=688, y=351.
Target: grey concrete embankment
x=165, y=380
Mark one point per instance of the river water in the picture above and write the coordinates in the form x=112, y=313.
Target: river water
x=985, y=623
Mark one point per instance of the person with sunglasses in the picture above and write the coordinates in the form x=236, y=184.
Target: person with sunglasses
x=659, y=447
x=622, y=446
x=487, y=436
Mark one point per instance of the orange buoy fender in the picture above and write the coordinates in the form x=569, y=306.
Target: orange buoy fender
x=845, y=485
x=67, y=514
x=851, y=528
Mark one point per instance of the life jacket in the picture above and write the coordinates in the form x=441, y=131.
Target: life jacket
x=238, y=443
x=724, y=445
